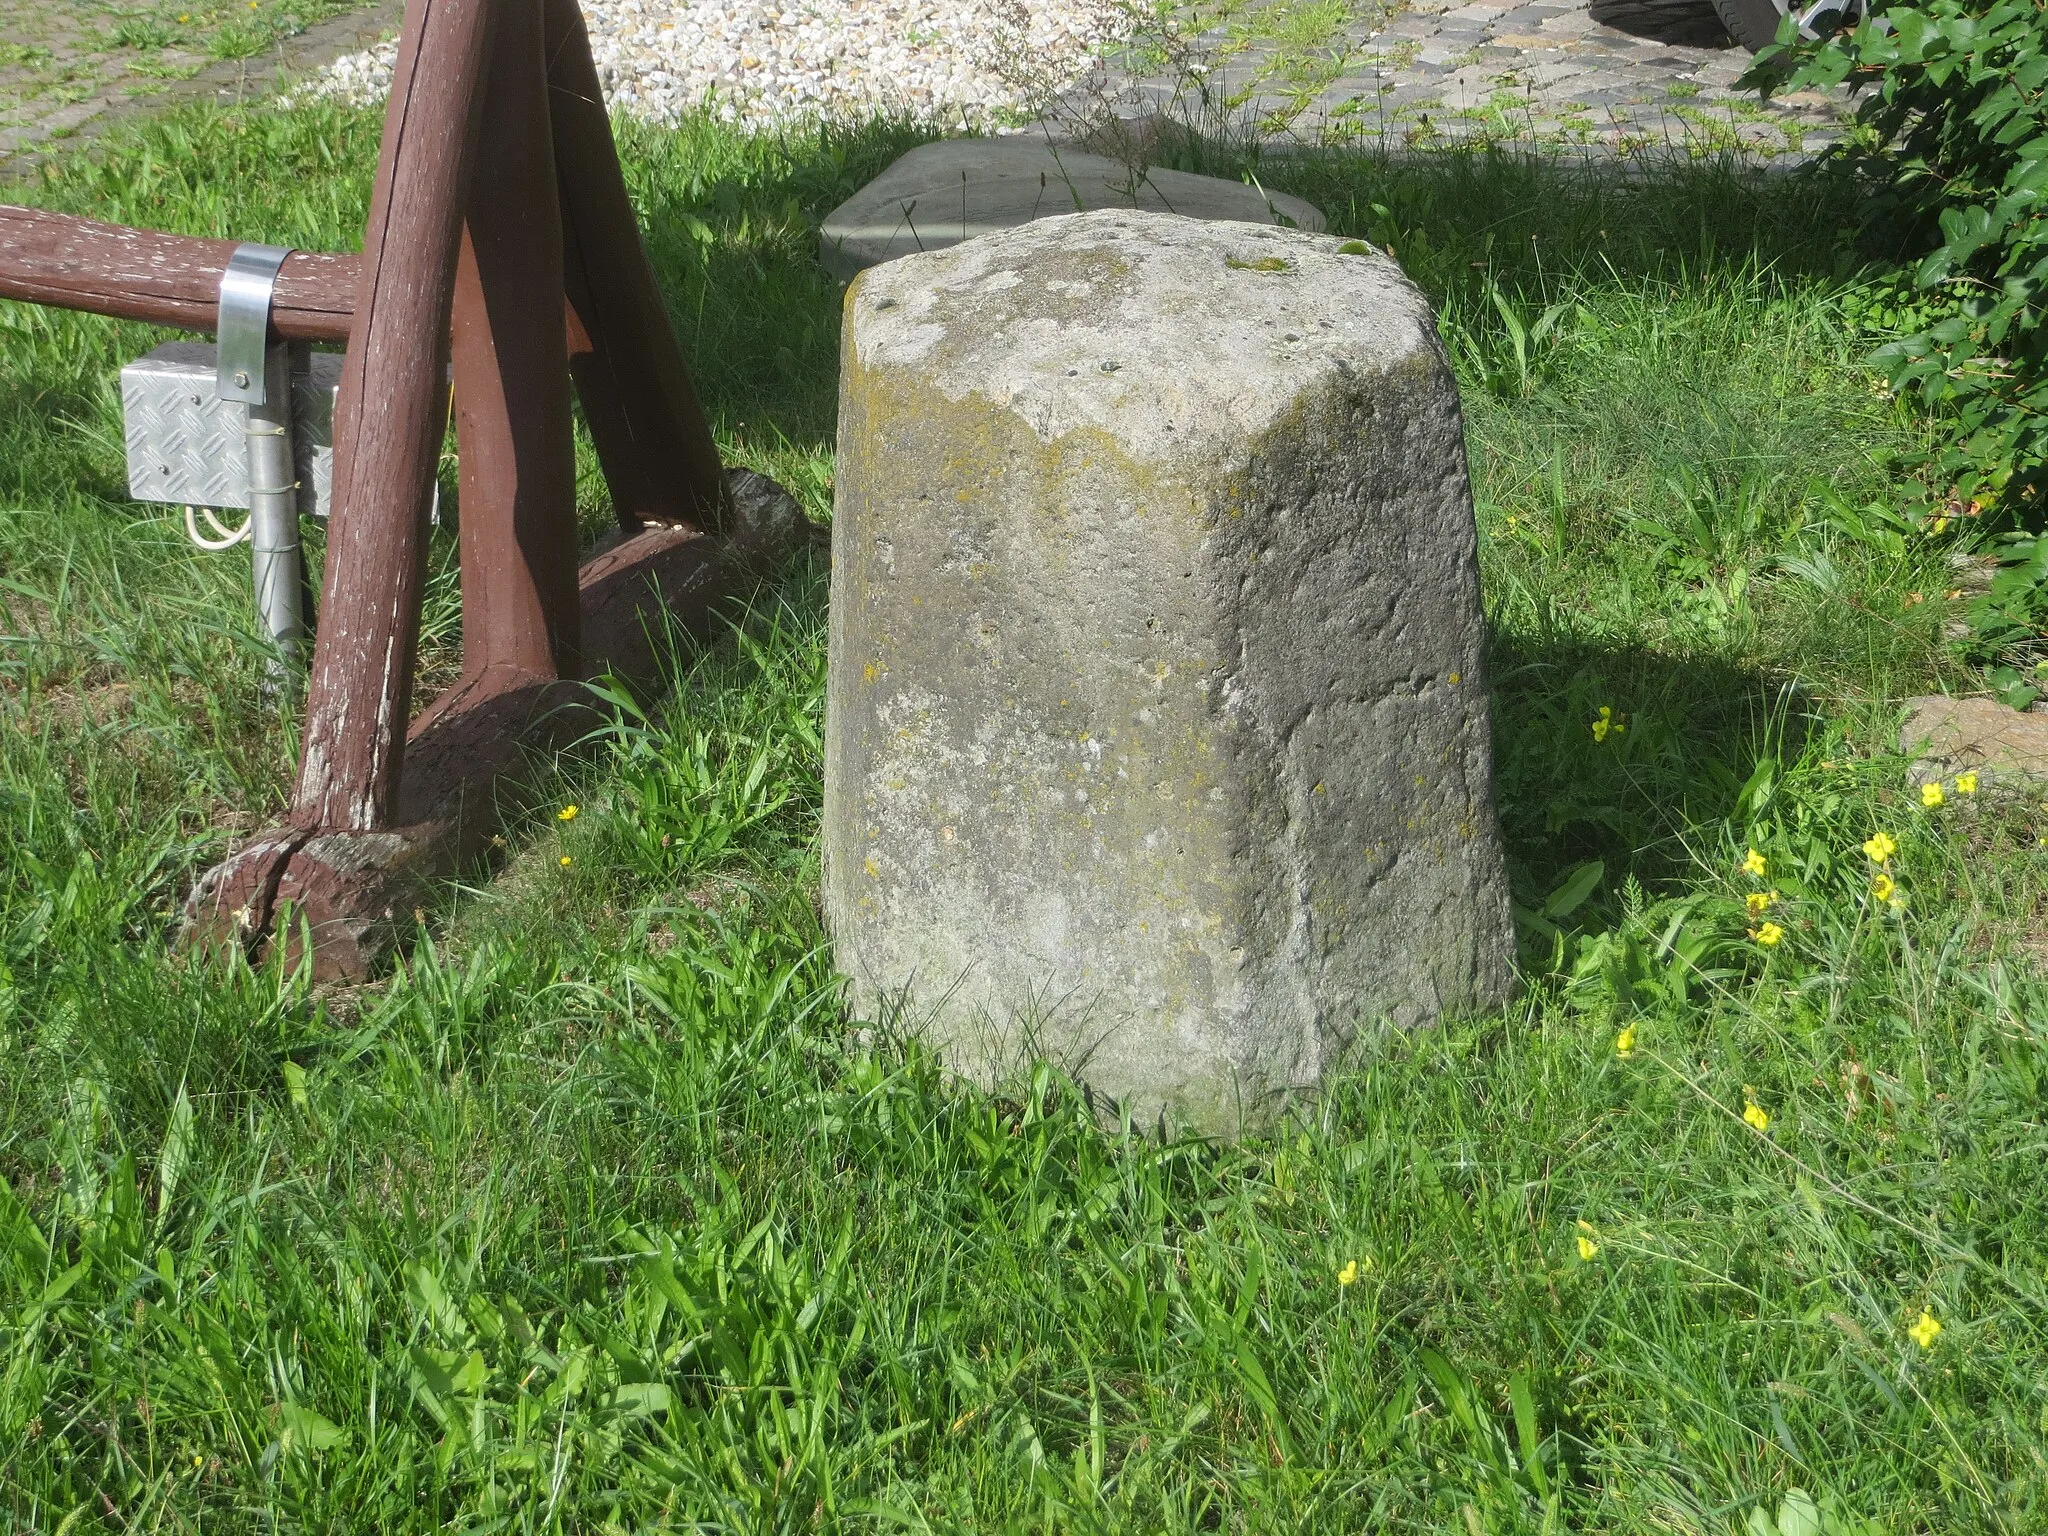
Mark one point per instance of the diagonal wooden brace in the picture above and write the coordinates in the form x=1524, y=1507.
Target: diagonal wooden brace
x=644, y=417
x=355, y=893
x=517, y=450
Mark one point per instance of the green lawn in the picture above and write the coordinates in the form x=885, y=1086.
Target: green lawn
x=600, y=1214
x=56, y=54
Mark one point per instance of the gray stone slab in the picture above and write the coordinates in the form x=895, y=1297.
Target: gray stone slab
x=940, y=194
x=1157, y=736
x=1946, y=735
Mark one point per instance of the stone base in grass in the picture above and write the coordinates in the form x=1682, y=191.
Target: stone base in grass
x=1157, y=734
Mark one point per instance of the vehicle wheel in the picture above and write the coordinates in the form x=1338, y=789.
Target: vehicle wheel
x=1754, y=23
x=1689, y=23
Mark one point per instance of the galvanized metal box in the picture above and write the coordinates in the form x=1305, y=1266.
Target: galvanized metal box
x=185, y=443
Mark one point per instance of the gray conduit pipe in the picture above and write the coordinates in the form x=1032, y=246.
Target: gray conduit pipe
x=253, y=369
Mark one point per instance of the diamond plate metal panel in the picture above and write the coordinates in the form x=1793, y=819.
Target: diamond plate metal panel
x=185, y=443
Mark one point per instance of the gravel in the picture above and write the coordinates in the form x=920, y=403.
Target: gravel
x=974, y=62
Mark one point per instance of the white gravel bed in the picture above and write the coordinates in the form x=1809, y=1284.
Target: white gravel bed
x=965, y=61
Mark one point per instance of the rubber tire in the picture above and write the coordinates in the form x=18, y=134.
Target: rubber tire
x=1752, y=23
x=1687, y=23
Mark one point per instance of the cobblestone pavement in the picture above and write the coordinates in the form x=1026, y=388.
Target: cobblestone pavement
x=1410, y=73
x=1433, y=72
x=70, y=67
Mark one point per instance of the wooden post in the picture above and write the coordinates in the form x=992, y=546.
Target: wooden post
x=645, y=420
x=518, y=456
x=387, y=438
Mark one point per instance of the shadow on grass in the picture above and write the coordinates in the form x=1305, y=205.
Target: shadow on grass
x=1525, y=219
x=1643, y=788
x=731, y=227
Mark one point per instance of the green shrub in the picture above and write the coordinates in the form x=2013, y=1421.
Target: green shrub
x=1954, y=133
x=1956, y=124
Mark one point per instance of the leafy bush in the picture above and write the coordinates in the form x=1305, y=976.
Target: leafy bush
x=1957, y=123
x=1955, y=126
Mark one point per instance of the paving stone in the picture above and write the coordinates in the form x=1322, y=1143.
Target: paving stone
x=1558, y=64
x=1945, y=736
x=942, y=193
x=63, y=78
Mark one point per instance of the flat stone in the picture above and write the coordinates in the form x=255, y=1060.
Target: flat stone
x=1157, y=736
x=1944, y=736
x=941, y=194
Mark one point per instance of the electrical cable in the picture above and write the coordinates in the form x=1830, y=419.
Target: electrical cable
x=228, y=537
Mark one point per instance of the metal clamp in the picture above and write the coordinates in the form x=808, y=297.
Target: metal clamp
x=250, y=368
x=243, y=332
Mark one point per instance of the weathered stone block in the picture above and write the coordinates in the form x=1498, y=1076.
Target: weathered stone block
x=1157, y=737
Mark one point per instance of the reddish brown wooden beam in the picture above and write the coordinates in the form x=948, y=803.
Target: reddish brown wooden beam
x=644, y=417
x=139, y=274
x=518, y=457
x=389, y=421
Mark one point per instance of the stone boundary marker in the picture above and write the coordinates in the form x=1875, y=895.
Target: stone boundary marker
x=1157, y=740
x=940, y=194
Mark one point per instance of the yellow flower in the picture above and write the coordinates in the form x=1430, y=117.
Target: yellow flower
x=566, y=861
x=1759, y=902
x=1927, y=1330
x=1931, y=795
x=567, y=813
x=1966, y=783
x=1883, y=886
x=1348, y=1274
x=1767, y=935
x=1754, y=864
x=1756, y=1116
x=1587, y=1248
x=1880, y=848
x=1625, y=1042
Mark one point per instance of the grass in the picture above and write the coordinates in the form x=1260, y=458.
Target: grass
x=56, y=56
x=598, y=1213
